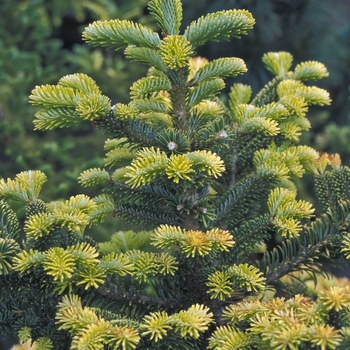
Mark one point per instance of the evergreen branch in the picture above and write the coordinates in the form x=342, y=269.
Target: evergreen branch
x=159, y=119
x=247, y=146
x=90, y=331
x=80, y=82
x=140, y=216
x=179, y=167
x=140, y=132
x=9, y=224
x=192, y=242
x=213, y=135
x=220, y=68
x=84, y=253
x=291, y=131
x=146, y=55
x=223, y=283
x=281, y=163
x=92, y=177
x=155, y=196
x=248, y=236
x=192, y=321
x=52, y=118
x=268, y=93
x=175, y=51
x=204, y=90
x=208, y=110
x=104, y=206
x=38, y=225
x=135, y=130
x=239, y=200
x=36, y=206
x=168, y=15
x=310, y=70
x=156, y=325
x=91, y=107
x=264, y=126
x=110, y=144
x=227, y=337
x=315, y=96
x=295, y=105
x=115, y=293
x=148, y=264
x=286, y=211
x=75, y=97
x=207, y=161
x=147, y=165
x=278, y=63
x=239, y=94
x=121, y=242
x=25, y=187
x=311, y=94
x=219, y=26
x=145, y=87
x=126, y=111
x=8, y=250
x=273, y=110
x=119, y=34
x=54, y=96
x=58, y=237
x=173, y=140
x=59, y=263
x=158, y=105
x=73, y=213
x=119, y=157
x=299, y=252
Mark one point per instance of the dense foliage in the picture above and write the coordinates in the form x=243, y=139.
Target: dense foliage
x=210, y=184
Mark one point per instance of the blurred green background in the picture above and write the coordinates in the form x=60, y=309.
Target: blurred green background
x=40, y=41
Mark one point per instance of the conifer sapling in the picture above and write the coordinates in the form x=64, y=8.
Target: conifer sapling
x=207, y=180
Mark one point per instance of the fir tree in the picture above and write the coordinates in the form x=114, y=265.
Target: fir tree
x=208, y=181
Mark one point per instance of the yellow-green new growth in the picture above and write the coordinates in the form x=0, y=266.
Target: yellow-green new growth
x=145, y=168
x=118, y=34
x=283, y=162
x=281, y=323
x=25, y=187
x=220, y=68
x=193, y=321
x=279, y=63
x=192, y=242
x=179, y=167
x=286, y=211
x=150, y=163
x=156, y=325
x=90, y=331
x=39, y=225
x=175, y=51
x=230, y=338
x=59, y=263
x=76, y=97
x=187, y=323
x=222, y=284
